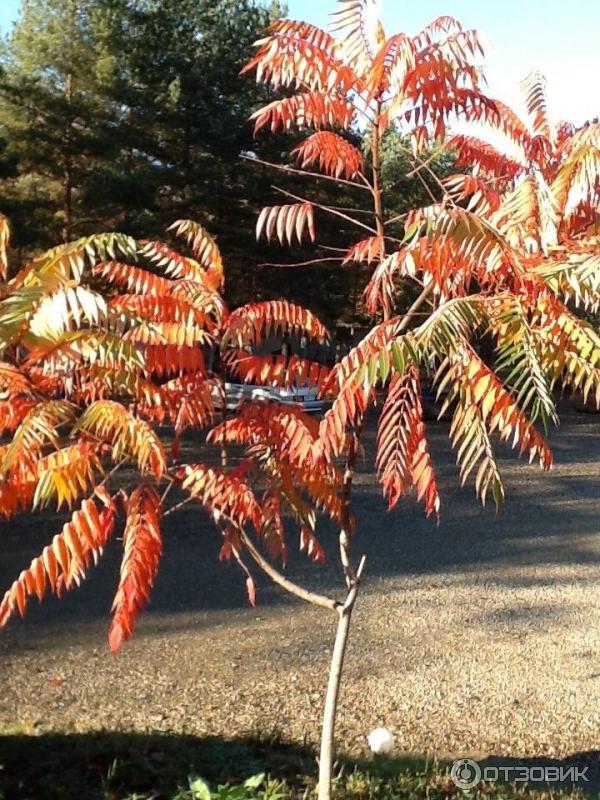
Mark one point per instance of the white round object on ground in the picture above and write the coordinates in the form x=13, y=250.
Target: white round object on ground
x=381, y=740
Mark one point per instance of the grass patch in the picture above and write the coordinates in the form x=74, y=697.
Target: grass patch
x=114, y=766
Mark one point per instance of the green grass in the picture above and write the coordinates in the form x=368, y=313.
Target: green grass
x=112, y=766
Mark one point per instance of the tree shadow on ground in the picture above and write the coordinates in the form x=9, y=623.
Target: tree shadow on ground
x=107, y=765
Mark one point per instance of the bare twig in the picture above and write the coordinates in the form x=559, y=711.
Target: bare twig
x=333, y=249
x=109, y=475
x=367, y=211
x=427, y=188
x=328, y=209
x=304, y=172
x=397, y=218
x=302, y=263
x=425, y=165
x=177, y=506
x=167, y=490
x=422, y=165
x=281, y=580
x=413, y=310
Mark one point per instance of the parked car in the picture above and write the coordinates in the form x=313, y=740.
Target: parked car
x=306, y=397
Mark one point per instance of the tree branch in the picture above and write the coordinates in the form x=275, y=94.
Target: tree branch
x=303, y=263
x=412, y=311
x=177, y=506
x=115, y=469
x=304, y=172
x=425, y=165
x=281, y=580
x=328, y=209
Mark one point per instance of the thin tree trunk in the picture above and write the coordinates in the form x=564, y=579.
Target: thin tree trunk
x=331, y=703
x=377, y=188
x=345, y=615
x=376, y=164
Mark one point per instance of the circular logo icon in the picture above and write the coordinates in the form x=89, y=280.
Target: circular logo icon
x=465, y=773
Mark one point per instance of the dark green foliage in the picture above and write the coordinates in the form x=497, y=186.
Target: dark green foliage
x=120, y=115
x=126, y=115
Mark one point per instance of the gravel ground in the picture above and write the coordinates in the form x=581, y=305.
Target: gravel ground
x=480, y=636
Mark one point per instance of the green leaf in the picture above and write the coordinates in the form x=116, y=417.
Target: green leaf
x=254, y=781
x=199, y=788
x=498, y=494
x=384, y=364
x=398, y=358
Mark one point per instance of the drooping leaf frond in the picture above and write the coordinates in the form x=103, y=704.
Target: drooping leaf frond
x=534, y=89
x=357, y=24
x=4, y=242
x=142, y=550
x=403, y=458
x=85, y=346
x=175, y=265
x=286, y=222
x=484, y=406
x=484, y=157
x=283, y=442
x=67, y=309
x=134, y=279
x=272, y=533
x=224, y=496
x=128, y=436
x=481, y=198
x=577, y=183
x=468, y=242
x=277, y=371
x=208, y=304
x=572, y=348
x=317, y=110
x=577, y=278
x=289, y=429
x=521, y=348
x=204, y=248
x=65, y=475
x=162, y=308
x=64, y=563
x=38, y=429
x=529, y=215
x=177, y=334
x=65, y=263
x=352, y=382
x=333, y=154
x=297, y=54
x=173, y=359
x=366, y=251
x=250, y=324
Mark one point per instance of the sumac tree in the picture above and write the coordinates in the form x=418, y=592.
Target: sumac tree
x=103, y=368
x=500, y=252
x=102, y=339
